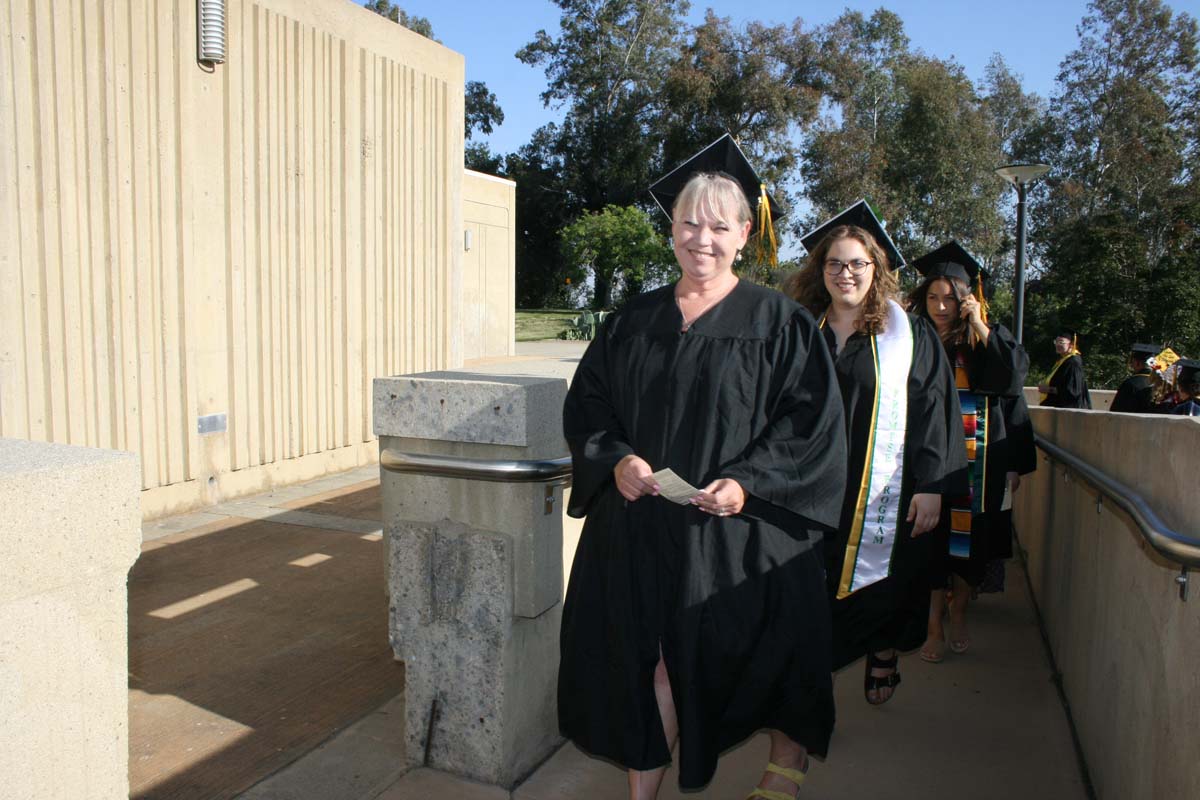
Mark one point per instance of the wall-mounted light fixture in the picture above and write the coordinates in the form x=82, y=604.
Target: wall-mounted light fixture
x=468, y=239
x=210, y=31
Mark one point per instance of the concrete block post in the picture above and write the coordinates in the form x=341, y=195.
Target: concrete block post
x=71, y=529
x=475, y=571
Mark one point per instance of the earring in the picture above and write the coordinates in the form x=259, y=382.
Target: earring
x=738, y=256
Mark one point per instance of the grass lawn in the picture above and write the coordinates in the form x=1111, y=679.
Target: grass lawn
x=542, y=323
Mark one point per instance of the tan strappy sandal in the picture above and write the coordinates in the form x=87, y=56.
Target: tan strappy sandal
x=796, y=776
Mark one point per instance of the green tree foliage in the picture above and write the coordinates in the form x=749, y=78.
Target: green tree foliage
x=909, y=132
x=544, y=206
x=482, y=110
x=757, y=83
x=1116, y=223
x=386, y=8
x=607, y=67
x=620, y=249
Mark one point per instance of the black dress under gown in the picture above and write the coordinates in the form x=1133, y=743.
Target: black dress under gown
x=894, y=611
x=737, y=604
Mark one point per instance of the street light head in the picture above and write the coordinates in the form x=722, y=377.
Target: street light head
x=1022, y=174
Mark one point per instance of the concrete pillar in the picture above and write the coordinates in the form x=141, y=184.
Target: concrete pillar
x=71, y=529
x=475, y=571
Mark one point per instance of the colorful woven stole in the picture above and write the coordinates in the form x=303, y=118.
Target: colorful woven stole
x=868, y=557
x=975, y=422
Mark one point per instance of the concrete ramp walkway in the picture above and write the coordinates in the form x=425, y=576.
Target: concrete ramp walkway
x=986, y=724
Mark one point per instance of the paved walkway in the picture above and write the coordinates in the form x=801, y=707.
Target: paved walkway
x=987, y=724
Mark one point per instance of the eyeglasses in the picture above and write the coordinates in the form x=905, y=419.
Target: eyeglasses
x=835, y=267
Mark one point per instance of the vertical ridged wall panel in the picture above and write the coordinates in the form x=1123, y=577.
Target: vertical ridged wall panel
x=333, y=209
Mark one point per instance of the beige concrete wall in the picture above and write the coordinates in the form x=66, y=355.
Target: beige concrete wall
x=489, y=266
x=1101, y=398
x=259, y=240
x=1125, y=643
x=71, y=530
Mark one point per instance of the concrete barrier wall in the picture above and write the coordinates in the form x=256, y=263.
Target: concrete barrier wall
x=71, y=530
x=257, y=240
x=1101, y=398
x=1127, y=646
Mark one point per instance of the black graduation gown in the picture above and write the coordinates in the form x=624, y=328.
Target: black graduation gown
x=997, y=370
x=1021, y=453
x=1071, y=386
x=737, y=604
x=1188, y=408
x=893, y=612
x=1135, y=395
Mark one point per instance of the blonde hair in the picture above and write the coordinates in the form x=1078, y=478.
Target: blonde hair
x=807, y=287
x=716, y=194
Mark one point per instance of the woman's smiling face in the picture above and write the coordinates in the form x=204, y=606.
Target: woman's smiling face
x=706, y=241
x=845, y=289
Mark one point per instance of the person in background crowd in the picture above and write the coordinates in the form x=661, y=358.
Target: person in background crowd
x=1188, y=387
x=1135, y=395
x=1066, y=386
x=905, y=436
x=988, y=365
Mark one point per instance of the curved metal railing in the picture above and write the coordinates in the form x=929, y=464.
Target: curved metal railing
x=537, y=470
x=1172, y=545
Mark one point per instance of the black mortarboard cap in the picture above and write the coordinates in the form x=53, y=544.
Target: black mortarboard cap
x=951, y=260
x=723, y=155
x=1145, y=350
x=859, y=215
x=1188, y=369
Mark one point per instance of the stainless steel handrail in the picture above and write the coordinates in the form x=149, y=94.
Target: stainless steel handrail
x=1172, y=545
x=538, y=470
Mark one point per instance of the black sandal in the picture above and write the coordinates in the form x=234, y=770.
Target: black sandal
x=872, y=683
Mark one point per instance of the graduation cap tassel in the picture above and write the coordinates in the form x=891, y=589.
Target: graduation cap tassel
x=768, y=249
x=983, y=303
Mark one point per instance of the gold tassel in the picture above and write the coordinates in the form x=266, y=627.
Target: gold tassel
x=768, y=249
x=983, y=303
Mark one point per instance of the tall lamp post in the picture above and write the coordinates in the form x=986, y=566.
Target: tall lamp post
x=1020, y=176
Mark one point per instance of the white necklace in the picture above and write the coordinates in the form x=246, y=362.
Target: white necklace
x=687, y=324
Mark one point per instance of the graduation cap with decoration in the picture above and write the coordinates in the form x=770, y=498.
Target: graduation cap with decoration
x=952, y=260
x=1162, y=361
x=860, y=215
x=724, y=156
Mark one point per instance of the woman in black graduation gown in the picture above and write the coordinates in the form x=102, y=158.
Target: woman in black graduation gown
x=989, y=366
x=707, y=619
x=887, y=362
x=1066, y=386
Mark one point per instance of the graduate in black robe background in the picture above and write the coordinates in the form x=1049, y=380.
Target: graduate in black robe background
x=1135, y=395
x=849, y=280
x=990, y=367
x=1066, y=386
x=706, y=620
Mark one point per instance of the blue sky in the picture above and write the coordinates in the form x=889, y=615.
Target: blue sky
x=1032, y=36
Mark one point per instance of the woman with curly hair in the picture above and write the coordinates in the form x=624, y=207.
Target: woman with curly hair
x=989, y=369
x=904, y=433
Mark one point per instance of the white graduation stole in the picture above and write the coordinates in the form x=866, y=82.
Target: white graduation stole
x=877, y=513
